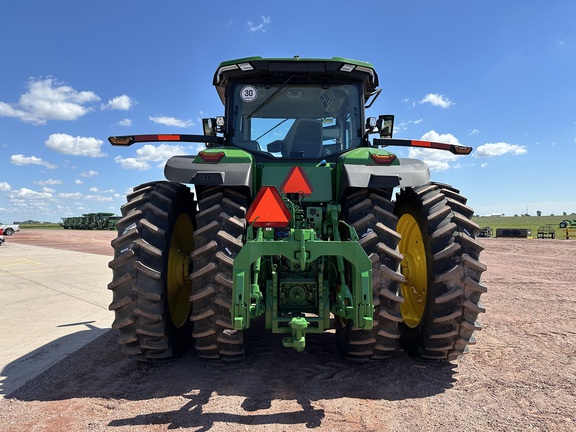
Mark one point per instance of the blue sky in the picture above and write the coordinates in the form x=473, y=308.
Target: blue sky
x=499, y=76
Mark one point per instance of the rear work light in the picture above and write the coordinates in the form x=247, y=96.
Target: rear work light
x=211, y=157
x=268, y=209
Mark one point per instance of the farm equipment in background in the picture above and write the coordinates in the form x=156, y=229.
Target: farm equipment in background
x=484, y=232
x=91, y=221
x=514, y=232
x=567, y=223
x=293, y=221
x=546, y=231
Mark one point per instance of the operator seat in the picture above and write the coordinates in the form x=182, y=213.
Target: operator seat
x=304, y=139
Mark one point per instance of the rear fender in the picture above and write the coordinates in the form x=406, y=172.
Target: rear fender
x=185, y=169
x=408, y=173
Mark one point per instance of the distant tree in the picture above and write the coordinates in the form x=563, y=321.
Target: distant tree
x=538, y=213
x=564, y=214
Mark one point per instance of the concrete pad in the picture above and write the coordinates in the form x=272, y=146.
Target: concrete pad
x=52, y=303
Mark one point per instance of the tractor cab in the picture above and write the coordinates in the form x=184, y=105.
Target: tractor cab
x=293, y=109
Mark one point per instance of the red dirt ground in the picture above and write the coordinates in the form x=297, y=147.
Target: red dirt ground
x=521, y=375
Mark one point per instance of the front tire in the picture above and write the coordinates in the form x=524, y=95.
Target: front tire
x=150, y=283
x=8, y=232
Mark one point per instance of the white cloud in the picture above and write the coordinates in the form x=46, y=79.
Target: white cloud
x=474, y=132
x=499, y=149
x=122, y=103
x=49, y=190
x=149, y=153
x=484, y=165
x=46, y=100
x=406, y=124
x=20, y=159
x=78, y=182
x=443, y=138
x=125, y=122
x=161, y=152
x=437, y=160
x=70, y=196
x=171, y=121
x=4, y=187
x=99, y=198
x=95, y=190
x=90, y=173
x=77, y=146
x=48, y=182
x=437, y=100
x=29, y=194
x=262, y=27
x=132, y=163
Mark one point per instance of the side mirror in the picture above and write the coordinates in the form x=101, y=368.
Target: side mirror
x=385, y=125
x=209, y=126
x=212, y=126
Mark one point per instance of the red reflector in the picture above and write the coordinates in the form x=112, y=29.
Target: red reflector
x=145, y=138
x=211, y=157
x=434, y=145
x=170, y=137
x=296, y=182
x=268, y=209
x=383, y=159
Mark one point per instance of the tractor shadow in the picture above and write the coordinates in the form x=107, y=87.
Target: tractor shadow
x=270, y=373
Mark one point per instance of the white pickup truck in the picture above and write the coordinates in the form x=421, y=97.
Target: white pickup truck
x=10, y=229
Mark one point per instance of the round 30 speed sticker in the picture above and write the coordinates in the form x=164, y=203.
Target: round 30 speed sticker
x=248, y=93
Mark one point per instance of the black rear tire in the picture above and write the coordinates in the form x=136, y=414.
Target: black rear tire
x=442, y=269
x=220, y=235
x=151, y=259
x=370, y=213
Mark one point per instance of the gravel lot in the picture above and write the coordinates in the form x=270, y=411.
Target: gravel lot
x=521, y=375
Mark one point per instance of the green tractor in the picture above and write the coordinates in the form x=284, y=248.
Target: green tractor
x=288, y=216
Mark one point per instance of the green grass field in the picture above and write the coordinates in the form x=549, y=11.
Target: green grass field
x=494, y=222
x=42, y=226
x=531, y=222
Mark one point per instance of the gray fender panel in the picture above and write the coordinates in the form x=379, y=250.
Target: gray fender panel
x=410, y=172
x=182, y=169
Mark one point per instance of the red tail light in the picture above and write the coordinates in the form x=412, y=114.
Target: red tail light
x=211, y=157
x=383, y=159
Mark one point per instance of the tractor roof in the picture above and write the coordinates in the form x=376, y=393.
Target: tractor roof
x=256, y=68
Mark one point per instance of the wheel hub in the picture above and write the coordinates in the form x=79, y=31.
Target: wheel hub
x=414, y=269
x=178, y=281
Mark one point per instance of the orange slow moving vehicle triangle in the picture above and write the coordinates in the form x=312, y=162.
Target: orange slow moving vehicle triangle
x=268, y=209
x=296, y=182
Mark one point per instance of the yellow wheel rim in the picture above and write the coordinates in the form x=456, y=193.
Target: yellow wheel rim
x=178, y=282
x=414, y=270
